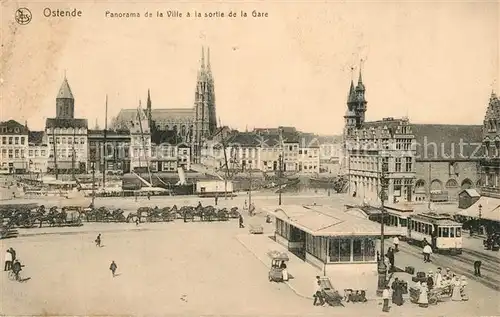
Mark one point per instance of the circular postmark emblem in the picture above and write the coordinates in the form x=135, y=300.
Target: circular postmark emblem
x=23, y=16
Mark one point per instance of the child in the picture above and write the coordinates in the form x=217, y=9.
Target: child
x=113, y=267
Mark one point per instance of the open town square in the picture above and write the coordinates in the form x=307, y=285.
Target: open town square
x=204, y=268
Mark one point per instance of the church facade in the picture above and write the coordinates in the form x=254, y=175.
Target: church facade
x=190, y=125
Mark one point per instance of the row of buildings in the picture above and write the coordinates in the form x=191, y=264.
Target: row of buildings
x=419, y=160
x=158, y=139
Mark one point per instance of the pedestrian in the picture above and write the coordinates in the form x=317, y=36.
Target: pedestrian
x=438, y=278
x=318, y=293
x=427, y=253
x=216, y=199
x=477, y=268
x=395, y=240
x=149, y=196
x=390, y=257
x=13, y=252
x=98, y=240
x=455, y=293
x=135, y=194
x=385, y=297
x=136, y=221
x=423, y=300
x=241, y=221
x=430, y=280
x=245, y=205
x=113, y=268
x=397, y=292
x=8, y=260
x=463, y=284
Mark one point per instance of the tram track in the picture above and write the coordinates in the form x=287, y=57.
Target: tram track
x=461, y=266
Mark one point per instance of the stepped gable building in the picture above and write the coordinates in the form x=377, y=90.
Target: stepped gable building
x=490, y=164
x=193, y=125
x=421, y=161
x=67, y=135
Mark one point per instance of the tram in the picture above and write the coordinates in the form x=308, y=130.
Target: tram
x=398, y=217
x=444, y=234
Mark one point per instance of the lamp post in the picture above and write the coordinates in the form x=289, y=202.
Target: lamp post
x=93, y=182
x=479, y=218
x=382, y=268
x=280, y=159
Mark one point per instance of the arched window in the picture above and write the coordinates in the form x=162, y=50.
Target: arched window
x=466, y=184
x=436, y=185
x=451, y=183
x=420, y=183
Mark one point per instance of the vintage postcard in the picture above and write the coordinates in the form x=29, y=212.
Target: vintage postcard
x=250, y=158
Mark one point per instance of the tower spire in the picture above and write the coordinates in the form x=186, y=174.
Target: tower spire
x=202, y=57
x=208, y=58
x=360, y=79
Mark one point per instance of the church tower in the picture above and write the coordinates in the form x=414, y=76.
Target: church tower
x=205, y=121
x=360, y=102
x=149, y=111
x=65, y=102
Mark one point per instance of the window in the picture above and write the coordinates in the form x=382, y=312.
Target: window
x=458, y=232
x=23, y=140
x=16, y=154
x=446, y=232
x=357, y=250
x=58, y=140
x=397, y=187
x=398, y=164
x=30, y=153
x=10, y=140
x=452, y=232
x=4, y=140
x=408, y=164
x=11, y=154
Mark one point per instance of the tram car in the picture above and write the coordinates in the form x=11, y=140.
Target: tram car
x=444, y=234
x=398, y=218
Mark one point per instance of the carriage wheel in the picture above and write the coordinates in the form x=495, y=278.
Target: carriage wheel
x=433, y=300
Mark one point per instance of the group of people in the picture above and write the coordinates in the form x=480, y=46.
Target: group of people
x=12, y=263
x=448, y=280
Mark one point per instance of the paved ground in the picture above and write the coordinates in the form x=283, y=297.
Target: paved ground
x=175, y=269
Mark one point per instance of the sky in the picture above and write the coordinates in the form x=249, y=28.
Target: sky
x=435, y=62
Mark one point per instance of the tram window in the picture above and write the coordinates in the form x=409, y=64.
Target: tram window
x=452, y=232
x=446, y=232
x=426, y=228
x=440, y=234
x=402, y=222
x=458, y=232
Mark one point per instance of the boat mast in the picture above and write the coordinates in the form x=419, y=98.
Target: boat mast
x=105, y=150
x=73, y=157
x=55, y=153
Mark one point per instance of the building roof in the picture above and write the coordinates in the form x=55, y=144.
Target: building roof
x=36, y=137
x=65, y=90
x=328, y=221
x=490, y=209
x=471, y=192
x=183, y=114
x=162, y=137
x=447, y=142
x=13, y=127
x=308, y=140
x=66, y=123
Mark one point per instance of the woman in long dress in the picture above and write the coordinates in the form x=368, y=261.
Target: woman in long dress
x=423, y=300
x=455, y=295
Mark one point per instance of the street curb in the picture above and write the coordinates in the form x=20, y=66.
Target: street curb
x=287, y=283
